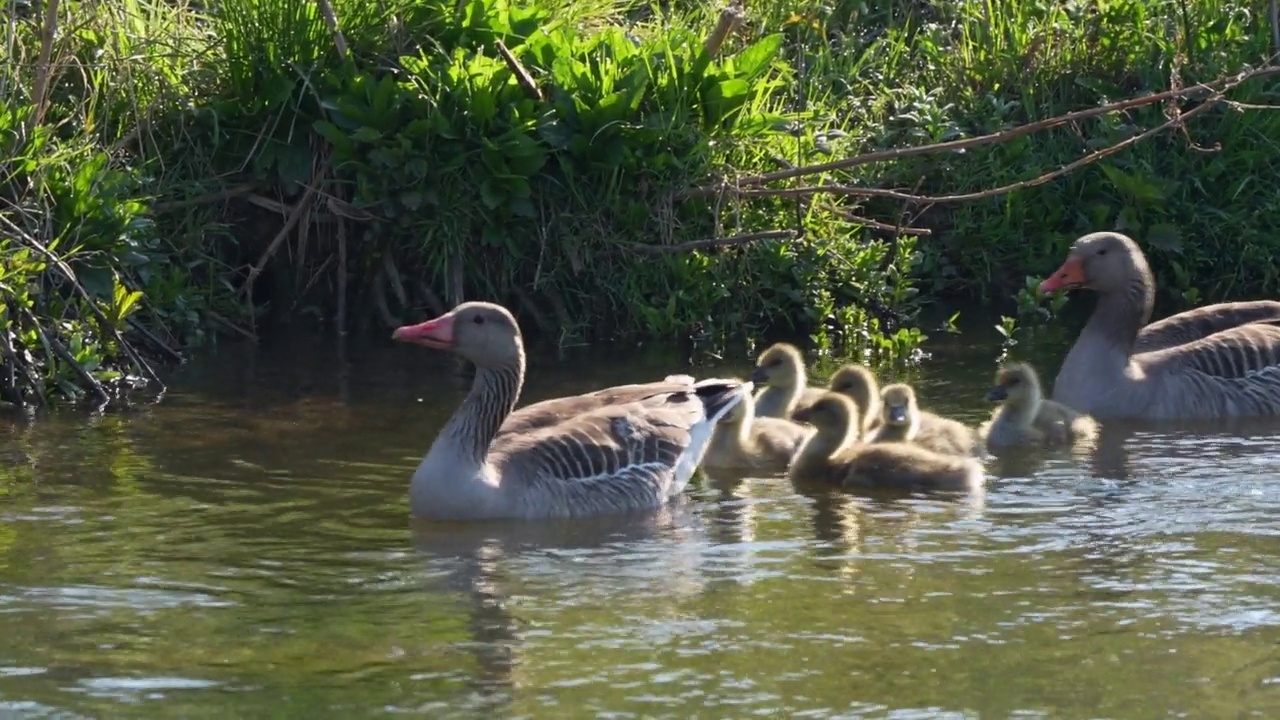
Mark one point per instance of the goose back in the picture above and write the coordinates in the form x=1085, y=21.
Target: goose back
x=1232, y=373
x=1202, y=322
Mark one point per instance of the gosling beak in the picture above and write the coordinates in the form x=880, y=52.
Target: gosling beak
x=760, y=375
x=998, y=393
x=897, y=413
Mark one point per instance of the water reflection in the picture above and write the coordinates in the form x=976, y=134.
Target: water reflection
x=244, y=548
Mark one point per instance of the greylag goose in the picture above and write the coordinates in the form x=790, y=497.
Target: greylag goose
x=901, y=420
x=859, y=384
x=1215, y=362
x=833, y=455
x=621, y=449
x=1026, y=418
x=744, y=442
x=781, y=369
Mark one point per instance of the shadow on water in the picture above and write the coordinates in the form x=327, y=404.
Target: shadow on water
x=243, y=549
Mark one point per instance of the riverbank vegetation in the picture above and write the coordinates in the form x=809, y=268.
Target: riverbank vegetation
x=173, y=169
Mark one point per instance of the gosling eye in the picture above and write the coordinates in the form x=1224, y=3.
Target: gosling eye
x=1014, y=381
x=1103, y=251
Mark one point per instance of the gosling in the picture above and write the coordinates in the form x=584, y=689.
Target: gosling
x=857, y=383
x=742, y=442
x=781, y=369
x=1025, y=417
x=832, y=455
x=903, y=421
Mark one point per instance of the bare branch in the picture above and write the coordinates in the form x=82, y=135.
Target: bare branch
x=640, y=249
x=1214, y=89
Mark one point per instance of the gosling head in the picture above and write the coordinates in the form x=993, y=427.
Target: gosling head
x=857, y=383
x=1102, y=261
x=780, y=365
x=831, y=414
x=484, y=333
x=1016, y=384
x=899, y=404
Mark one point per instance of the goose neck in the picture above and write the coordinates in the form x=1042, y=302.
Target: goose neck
x=475, y=423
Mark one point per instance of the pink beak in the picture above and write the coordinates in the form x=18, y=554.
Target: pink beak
x=437, y=333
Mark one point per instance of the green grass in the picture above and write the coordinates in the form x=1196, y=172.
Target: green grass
x=204, y=166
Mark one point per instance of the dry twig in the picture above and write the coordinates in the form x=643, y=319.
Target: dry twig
x=640, y=249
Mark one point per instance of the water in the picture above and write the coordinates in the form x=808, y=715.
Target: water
x=243, y=549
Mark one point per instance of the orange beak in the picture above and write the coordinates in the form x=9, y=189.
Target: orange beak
x=1070, y=275
x=437, y=333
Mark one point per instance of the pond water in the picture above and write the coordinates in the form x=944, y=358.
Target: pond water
x=243, y=549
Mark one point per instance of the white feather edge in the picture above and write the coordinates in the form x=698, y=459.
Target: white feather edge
x=700, y=432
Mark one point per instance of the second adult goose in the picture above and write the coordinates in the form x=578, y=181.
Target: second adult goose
x=1120, y=369
x=618, y=450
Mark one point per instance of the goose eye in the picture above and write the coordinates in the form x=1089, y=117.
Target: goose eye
x=1103, y=251
x=479, y=320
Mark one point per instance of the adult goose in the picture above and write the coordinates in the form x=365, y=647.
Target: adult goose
x=621, y=449
x=1215, y=362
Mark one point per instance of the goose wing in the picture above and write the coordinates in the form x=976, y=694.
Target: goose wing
x=1234, y=372
x=546, y=413
x=1204, y=322
x=631, y=456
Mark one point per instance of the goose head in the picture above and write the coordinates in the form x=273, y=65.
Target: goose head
x=832, y=414
x=484, y=333
x=780, y=365
x=855, y=382
x=899, y=402
x=1103, y=261
x=1016, y=384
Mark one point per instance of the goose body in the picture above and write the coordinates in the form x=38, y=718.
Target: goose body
x=1026, y=418
x=859, y=384
x=742, y=442
x=1215, y=362
x=901, y=420
x=833, y=455
x=780, y=368
x=617, y=450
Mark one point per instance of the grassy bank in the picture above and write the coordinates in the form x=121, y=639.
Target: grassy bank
x=173, y=169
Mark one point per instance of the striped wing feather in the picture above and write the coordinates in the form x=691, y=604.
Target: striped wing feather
x=546, y=413
x=620, y=457
x=1202, y=322
x=1235, y=371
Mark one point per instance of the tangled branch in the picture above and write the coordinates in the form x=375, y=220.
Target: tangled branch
x=1212, y=94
